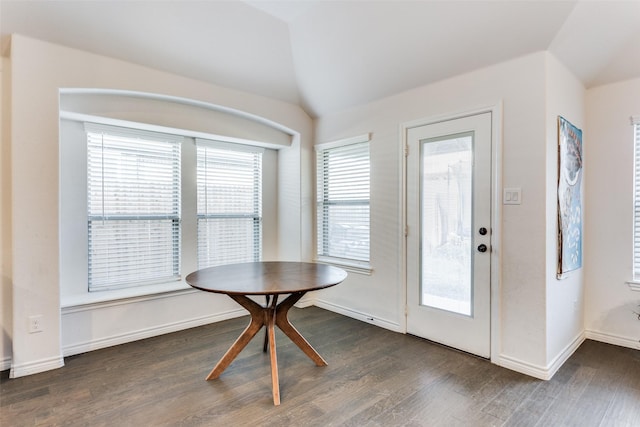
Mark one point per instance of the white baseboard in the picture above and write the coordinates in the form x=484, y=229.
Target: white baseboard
x=305, y=302
x=521, y=366
x=96, y=344
x=83, y=347
x=565, y=354
x=36, y=366
x=383, y=323
x=5, y=363
x=613, y=339
x=533, y=370
x=537, y=371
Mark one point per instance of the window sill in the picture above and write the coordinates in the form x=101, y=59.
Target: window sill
x=353, y=267
x=89, y=300
x=635, y=286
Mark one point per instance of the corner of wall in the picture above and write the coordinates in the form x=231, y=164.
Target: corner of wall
x=565, y=97
x=6, y=287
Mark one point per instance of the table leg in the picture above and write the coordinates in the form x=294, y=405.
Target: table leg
x=257, y=320
x=282, y=320
x=266, y=332
x=270, y=314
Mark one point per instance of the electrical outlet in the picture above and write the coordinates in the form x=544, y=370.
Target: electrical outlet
x=35, y=324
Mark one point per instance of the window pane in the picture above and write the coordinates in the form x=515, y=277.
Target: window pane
x=229, y=186
x=445, y=222
x=346, y=231
x=133, y=177
x=133, y=207
x=343, y=176
x=131, y=252
x=227, y=241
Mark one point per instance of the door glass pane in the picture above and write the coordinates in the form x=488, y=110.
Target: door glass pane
x=445, y=221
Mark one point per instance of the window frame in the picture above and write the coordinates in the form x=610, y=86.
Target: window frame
x=634, y=284
x=74, y=292
x=145, y=147
x=350, y=264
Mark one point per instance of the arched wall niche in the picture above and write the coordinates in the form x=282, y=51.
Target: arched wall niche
x=175, y=113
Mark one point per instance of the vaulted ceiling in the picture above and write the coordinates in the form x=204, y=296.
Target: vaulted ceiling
x=329, y=55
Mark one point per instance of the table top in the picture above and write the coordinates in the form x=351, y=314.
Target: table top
x=266, y=278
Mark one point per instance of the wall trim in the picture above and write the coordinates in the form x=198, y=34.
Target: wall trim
x=537, y=371
x=87, y=304
x=565, y=354
x=86, y=346
x=614, y=339
x=634, y=285
x=358, y=315
x=496, y=227
x=306, y=301
x=523, y=367
x=180, y=100
x=96, y=344
x=36, y=366
x=81, y=117
x=5, y=363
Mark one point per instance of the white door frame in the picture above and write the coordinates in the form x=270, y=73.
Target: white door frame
x=496, y=212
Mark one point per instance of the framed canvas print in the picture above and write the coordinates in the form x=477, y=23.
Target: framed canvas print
x=569, y=198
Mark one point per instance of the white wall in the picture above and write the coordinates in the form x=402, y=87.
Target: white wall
x=564, y=298
x=609, y=302
x=6, y=316
x=39, y=70
x=520, y=85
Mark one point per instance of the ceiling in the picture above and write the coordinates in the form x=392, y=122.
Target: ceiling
x=328, y=55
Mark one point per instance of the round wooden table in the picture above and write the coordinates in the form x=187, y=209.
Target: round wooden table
x=270, y=279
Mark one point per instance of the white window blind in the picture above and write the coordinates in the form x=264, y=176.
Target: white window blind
x=343, y=176
x=636, y=200
x=133, y=207
x=229, y=186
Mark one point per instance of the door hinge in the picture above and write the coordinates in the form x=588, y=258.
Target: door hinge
x=406, y=150
x=406, y=230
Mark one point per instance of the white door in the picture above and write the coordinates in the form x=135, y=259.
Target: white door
x=449, y=232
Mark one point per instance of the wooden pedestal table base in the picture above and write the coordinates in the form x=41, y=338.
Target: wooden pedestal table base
x=269, y=278
x=270, y=316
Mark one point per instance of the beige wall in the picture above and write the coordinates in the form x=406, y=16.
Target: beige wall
x=610, y=302
x=6, y=295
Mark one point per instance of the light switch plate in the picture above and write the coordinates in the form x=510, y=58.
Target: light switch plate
x=512, y=196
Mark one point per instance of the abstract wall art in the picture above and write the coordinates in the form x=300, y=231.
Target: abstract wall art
x=569, y=198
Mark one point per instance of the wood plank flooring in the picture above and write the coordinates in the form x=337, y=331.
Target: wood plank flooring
x=375, y=378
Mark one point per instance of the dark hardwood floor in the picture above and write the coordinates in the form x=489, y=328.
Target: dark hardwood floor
x=375, y=378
